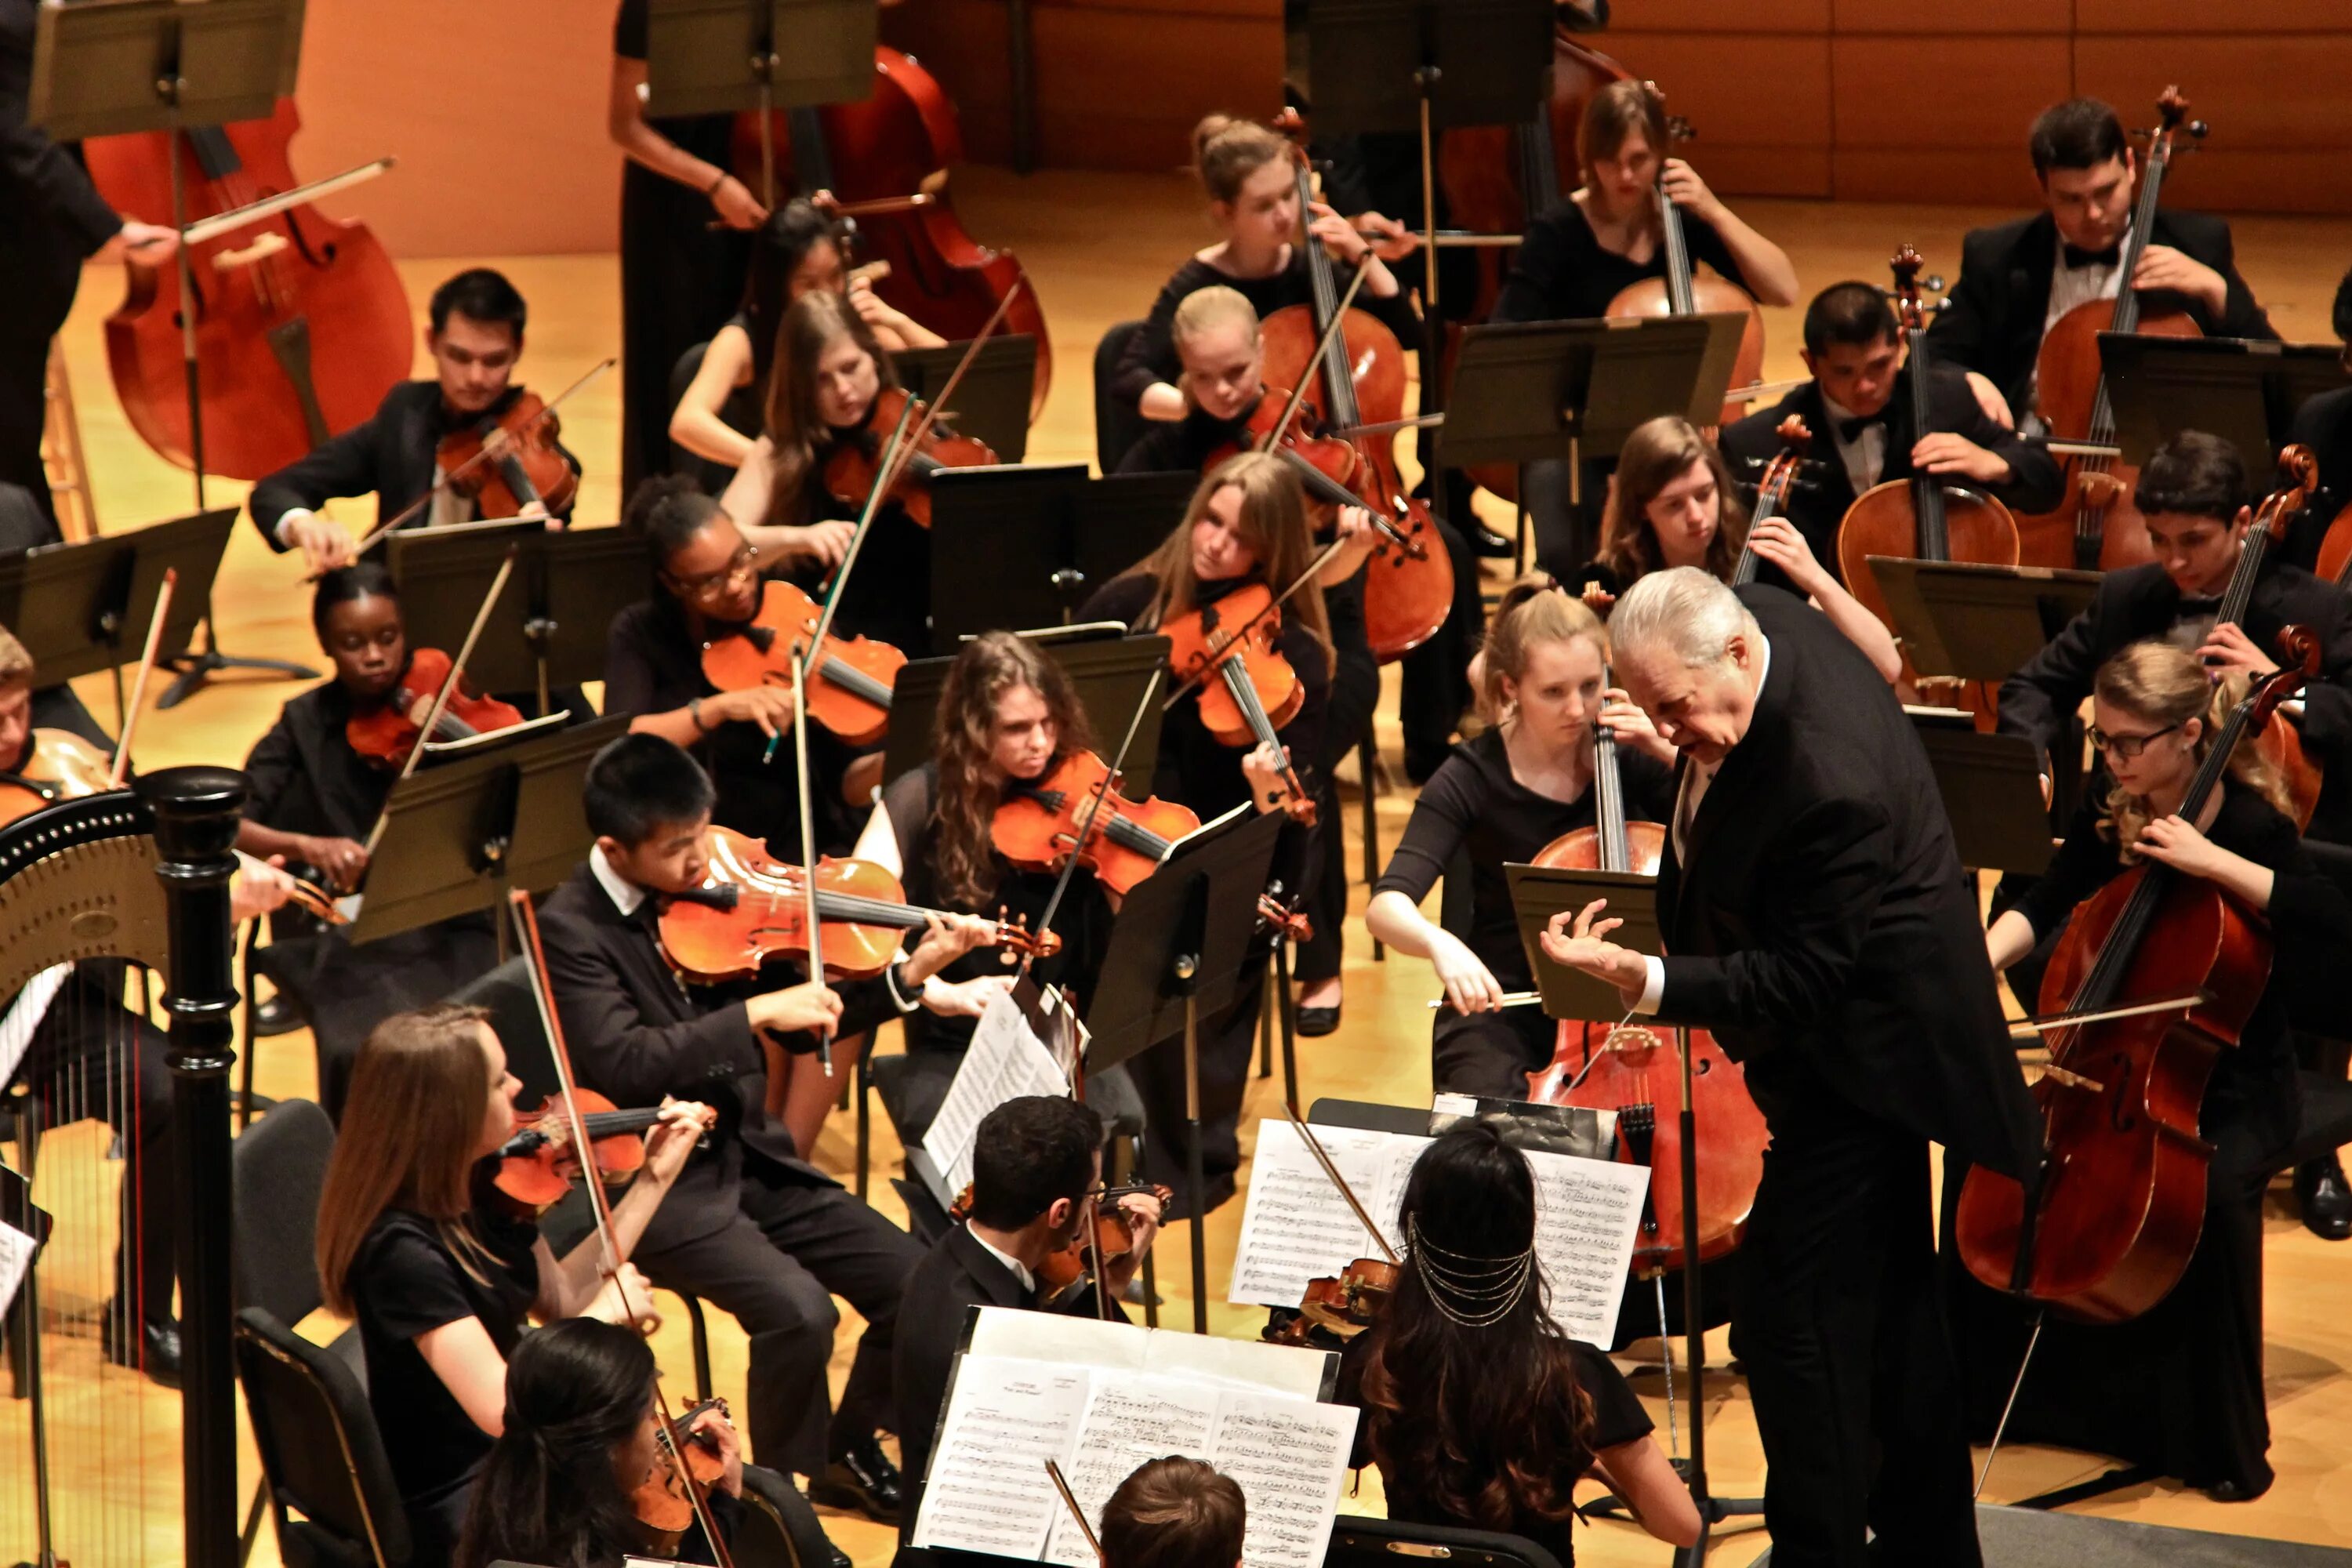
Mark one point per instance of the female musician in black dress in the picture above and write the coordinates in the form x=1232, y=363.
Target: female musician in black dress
x=2179, y=1388
x=1246, y=524
x=441, y=1275
x=1480, y=1413
x=1504, y=794
x=1007, y=716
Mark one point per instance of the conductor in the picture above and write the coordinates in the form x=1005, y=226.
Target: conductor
x=1820, y=925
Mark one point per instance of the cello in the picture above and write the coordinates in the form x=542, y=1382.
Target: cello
x=1635, y=1072
x=2096, y=527
x=1772, y=490
x=2122, y=1195
x=301, y=323
x=2298, y=476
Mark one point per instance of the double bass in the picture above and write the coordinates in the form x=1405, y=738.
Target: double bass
x=301, y=323
x=2096, y=527
x=2121, y=1196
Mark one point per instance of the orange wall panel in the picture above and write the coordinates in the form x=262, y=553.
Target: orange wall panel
x=1737, y=90
x=2146, y=16
x=1942, y=92
x=2257, y=92
x=1786, y=17
x=1117, y=93
x=1902, y=17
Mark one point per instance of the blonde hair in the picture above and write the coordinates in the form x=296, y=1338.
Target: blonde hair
x=813, y=323
x=1227, y=151
x=1611, y=118
x=1272, y=522
x=1205, y=311
x=1541, y=612
x=1659, y=452
x=2160, y=683
x=15, y=659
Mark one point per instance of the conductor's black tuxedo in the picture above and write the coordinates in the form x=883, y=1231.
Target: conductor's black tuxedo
x=750, y=1224
x=1824, y=491
x=1993, y=321
x=1817, y=920
x=2140, y=601
x=390, y=453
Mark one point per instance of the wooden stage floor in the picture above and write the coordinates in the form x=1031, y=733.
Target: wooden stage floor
x=1098, y=248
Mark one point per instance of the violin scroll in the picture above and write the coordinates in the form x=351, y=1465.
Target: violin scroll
x=2298, y=475
x=2298, y=662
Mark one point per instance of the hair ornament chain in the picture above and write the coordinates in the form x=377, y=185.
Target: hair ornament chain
x=1487, y=1289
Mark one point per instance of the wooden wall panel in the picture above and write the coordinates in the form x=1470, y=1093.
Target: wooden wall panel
x=2154, y=16
x=962, y=44
x=1901, y=17
x=1760, y=142
x=1894, y=93
x=2257, y=92
x=1788, y=18
x=1951, y=176
x=1115, y=95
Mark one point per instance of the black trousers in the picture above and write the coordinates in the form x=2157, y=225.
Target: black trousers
x=776, y=1268
x=1567, y=533
x=1228, y=1039
x=1839, y=1322
x=1490, y=1054
x=680, y=280
x=24, y=380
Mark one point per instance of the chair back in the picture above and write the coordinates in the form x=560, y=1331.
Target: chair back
x=1360, y=1542
x=1118, y=425
x=322, y=1456
x=277, y=1167
x=506, y=992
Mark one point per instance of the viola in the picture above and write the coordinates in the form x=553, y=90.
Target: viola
x=1121, y=841
x=525, y=466
x=58, y=765
x=2096, y=527
x=1636, y=1072
x=537, y=1165
x=1772, y=490
x=301, y=323
x=1063, y=1273
x=2122, y=1200
x=2282, y=743
x=752, y=908
x=1244, y=688
x=1682, y=292
x=855, y=461
x=386, y=733
x=1342, y=1305
x=885, y=160
x=660, y=1501
x=854, y=676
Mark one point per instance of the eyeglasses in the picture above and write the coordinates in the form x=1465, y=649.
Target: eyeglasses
x=745, y=559
x=2126, y=748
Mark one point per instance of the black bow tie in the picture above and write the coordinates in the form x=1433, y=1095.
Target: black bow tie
x=2078, y=258
x=1850, y=430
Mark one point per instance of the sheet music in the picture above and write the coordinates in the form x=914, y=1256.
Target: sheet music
x=1290, y=1457
x=25, y=1011
x=1128, y=1421
x=16, y=1256
x=1296, y=1225
x=988, y=1490
x=1005, y=1061
x=1587, y=1212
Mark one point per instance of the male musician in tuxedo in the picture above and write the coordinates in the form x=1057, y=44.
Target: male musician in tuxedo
x=749, y=1226
x=2017, y=279
x=2324, y=424
x=1816, y=919
x=52, y=219
x=475, y=335
x=1036, y=1161
x=2193, y=490
x=1858, y=409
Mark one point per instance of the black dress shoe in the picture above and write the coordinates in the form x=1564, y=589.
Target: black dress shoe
x=1492, y=546
x=2326, y=1198
x=158, y=1341
x=1315, y=1022
x=861, y=1478
x=278, y=1016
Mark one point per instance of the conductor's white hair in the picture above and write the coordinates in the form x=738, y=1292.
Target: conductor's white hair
x=1682, y=611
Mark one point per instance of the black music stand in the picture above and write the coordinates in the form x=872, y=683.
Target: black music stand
x=1977, y=622
x=721, y=56
x=1178, y=948
x=137, y=66
x=83, y=607
x=1527, y=390
x=1537, y=894
x=458, y=835
x=1025, y=546
x=1108, y=671
x=1991, y=786
x=2244, y=391
x=992, y=402
x=548, y=630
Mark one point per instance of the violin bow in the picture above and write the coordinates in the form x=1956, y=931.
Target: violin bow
x=1070, y=1501
x=1226, y=640
x=1094, y=812
x=1323, y=1158
x=542, y=995
x=441, y=698
x=936, y=406
x=490, y=449
x=814, y=925
x=121, y=765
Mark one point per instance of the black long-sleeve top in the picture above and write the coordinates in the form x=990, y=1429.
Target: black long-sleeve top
x=1563, y=273
x=1151, y=354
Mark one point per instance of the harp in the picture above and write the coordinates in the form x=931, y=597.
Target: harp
x=143, y=876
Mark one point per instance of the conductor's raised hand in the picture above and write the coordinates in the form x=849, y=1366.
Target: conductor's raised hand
x=1581, y=941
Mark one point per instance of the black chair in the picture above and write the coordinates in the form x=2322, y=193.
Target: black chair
x=1118, y=424
x=742, y=412
x=321, y=1457
x=780, y=1530
x=1359, y=1542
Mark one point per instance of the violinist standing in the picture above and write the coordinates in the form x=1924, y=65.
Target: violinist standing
x=1246, y=524
x=1817, y=921
x=2180, y=1387
x=1858, y=407
x=1582, y=253
x=475, y=336
x=2017, y=279
x=52, y=219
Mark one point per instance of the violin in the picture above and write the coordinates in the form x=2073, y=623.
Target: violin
x=525, y=467
x=1245, y=690
x=537, y=1164
x=1682, y=292
x=1342, y=1305
x=1635, y=1071
x=853, y=464
x=751, y=907
x=58, y=765
x=1121, y=841
x=1772, y=490
x=2095, y=526
x=2282, y=743
x=386, y=733
x=660, y=1501
x=301, y=323
x=884, y=159
x=1063, y=1274
x=854, y=676
x=2122, y=1199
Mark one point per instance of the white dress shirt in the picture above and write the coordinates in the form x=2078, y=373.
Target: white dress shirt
x=625, y=895
x=2073, y=286
x=1864, y=456
x=1019, y=1269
